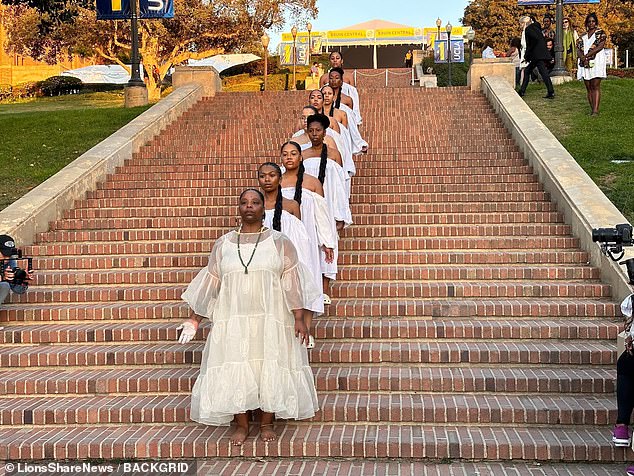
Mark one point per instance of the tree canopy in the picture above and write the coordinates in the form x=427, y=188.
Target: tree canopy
x=47, y=29
x=498, y=19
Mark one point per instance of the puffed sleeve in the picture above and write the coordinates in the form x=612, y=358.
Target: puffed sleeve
x=326, y=231
x=600, y=36
x=342, y=204
x=202, y=292
x=297, y=282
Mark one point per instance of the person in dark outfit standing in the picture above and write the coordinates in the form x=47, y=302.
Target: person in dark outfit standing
x=536, y=55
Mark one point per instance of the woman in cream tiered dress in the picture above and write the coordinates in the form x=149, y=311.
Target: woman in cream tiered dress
x=254, y=289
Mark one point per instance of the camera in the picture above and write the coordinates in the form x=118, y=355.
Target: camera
x=9, y=260
x=612, y=241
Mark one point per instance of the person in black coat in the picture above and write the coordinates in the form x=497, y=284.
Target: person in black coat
x=536, y=54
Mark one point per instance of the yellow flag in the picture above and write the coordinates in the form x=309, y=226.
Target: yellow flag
x=116, y=5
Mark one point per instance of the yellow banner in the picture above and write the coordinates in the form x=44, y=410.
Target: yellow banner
x=346, y=34
x=394, y=32
x=302, y=34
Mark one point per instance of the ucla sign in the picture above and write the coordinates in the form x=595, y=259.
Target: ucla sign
x=148, y=9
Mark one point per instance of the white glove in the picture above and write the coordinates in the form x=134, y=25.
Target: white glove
x=188, y=328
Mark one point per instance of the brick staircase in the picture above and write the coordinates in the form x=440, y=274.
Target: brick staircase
x=466, y=324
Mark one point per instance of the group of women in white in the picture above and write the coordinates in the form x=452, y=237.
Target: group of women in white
x=265, y=281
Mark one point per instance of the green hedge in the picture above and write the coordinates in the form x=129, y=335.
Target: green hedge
x=58, y=85
x=441, y=70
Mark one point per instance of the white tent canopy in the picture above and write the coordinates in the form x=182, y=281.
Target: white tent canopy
x=101, y=74
x=222, y=62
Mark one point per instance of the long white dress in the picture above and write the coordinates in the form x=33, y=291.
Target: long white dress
x=350, y=90
x=295, y=230
x=337, y=201
x=357, y=141
x=252, y=358
x=321, y=230
x=598, y=70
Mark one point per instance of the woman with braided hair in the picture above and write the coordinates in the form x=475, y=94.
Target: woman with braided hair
x=283, y=214
x=320, y=225
x=301, y=136
x=343, y=140
x=255, y=289
x=331, y=175
x=348, y=85
x=343, y=102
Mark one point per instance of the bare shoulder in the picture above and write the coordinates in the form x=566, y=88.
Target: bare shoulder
x=291, y=206
x=334, y=155
x=313, y=184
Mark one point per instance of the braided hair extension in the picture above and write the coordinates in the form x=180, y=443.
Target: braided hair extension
x=277, y=215
x=300, y=171
x=322, y=163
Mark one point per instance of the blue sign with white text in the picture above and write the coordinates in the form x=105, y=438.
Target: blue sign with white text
x=457, y=51
x=113, y=9
x=148, y=9
x=156, y=9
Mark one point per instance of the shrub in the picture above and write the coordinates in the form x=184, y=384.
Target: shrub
x=5, y=92
x=58, y=85
x=25, y=90
x=621, y=73
x=441, y=70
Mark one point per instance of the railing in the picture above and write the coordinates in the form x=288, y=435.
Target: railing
x=387, y=74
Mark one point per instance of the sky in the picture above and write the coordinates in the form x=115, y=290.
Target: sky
x=336, y=14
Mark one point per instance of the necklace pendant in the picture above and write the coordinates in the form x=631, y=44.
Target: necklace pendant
x=246, y=270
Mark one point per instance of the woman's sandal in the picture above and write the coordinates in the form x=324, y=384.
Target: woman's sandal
x=267, y=425
x=327, y=299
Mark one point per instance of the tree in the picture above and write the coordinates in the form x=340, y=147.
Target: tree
x=47, y=29
x=498, y=19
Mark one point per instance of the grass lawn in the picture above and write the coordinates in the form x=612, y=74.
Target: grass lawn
x=595, y=141
x=40, y=137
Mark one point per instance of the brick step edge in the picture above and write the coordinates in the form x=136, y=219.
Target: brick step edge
x=366, y=467
x=126, y=380
x=371, y=408
x=314, y=440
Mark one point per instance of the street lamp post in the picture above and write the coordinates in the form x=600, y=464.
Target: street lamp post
x=136, y=93
x=309, y=27
x=449, y=28
x=294, y=33
x=559, y=69
x=470, y=37
x=265, y=44
x=438, y=25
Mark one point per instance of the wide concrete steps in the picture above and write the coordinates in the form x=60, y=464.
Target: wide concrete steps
x=310, y=440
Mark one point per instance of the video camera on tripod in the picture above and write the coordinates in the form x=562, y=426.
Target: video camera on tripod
x=10, y=259
x=612, y=241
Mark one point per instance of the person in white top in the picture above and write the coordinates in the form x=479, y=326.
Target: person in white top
x=592, y=61
x=254, y=288
x=488, y=52
x=283, y=214
x=320, y=225
x=344, y=102
x=348, y=87
x=301, y=136
x=331, y=175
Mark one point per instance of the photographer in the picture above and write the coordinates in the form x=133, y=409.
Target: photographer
x=13, y=278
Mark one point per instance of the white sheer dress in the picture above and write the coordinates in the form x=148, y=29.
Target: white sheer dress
x=252, y=358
